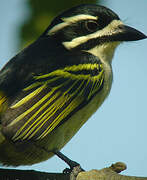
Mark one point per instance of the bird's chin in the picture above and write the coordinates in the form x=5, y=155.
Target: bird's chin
x=127, y=33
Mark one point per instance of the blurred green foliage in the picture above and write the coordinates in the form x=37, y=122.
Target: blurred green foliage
x=41, y=14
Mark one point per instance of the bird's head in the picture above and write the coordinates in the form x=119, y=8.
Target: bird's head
x=92, y=28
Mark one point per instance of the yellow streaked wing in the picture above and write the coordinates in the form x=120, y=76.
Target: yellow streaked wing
x=50, y=100
x=3, y=102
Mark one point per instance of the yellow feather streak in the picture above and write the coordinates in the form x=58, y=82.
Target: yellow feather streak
x=3, y=99
x=61, y=116
x=38, y=121
x=70, y=68
x=59, y=99
x=28, y=97
x=29, y=110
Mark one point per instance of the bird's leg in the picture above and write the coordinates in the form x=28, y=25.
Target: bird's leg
x=72, y=164
x=66, y=159
x=75, y=167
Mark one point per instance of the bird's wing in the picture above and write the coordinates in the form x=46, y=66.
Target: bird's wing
x=3, y=100
x=51, y=99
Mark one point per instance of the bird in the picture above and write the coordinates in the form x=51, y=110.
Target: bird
x=53, y=86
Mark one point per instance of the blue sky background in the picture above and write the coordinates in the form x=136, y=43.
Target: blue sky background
x=117, y=131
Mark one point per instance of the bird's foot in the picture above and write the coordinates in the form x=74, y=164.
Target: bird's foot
x=74, y=173
x=75, y=167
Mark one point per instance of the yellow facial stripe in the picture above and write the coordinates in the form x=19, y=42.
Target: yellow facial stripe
x=79, y=17
x=112, y=28
x=70, y=20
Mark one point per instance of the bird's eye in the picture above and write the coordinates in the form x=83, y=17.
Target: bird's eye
x=91, y=26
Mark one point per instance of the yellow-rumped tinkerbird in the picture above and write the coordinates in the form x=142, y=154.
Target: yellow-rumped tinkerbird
x=52, y=87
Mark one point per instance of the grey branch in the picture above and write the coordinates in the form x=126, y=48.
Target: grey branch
x=109, y=173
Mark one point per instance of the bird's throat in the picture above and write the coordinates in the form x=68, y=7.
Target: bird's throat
x=104, y=52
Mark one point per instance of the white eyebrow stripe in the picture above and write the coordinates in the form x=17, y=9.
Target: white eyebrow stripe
x=70, y=20
x=79, y=17
x=108, y=30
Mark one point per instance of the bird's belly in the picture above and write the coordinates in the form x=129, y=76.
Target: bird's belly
x=68, y=129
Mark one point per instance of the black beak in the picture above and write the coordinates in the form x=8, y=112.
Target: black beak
x=127, y=33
